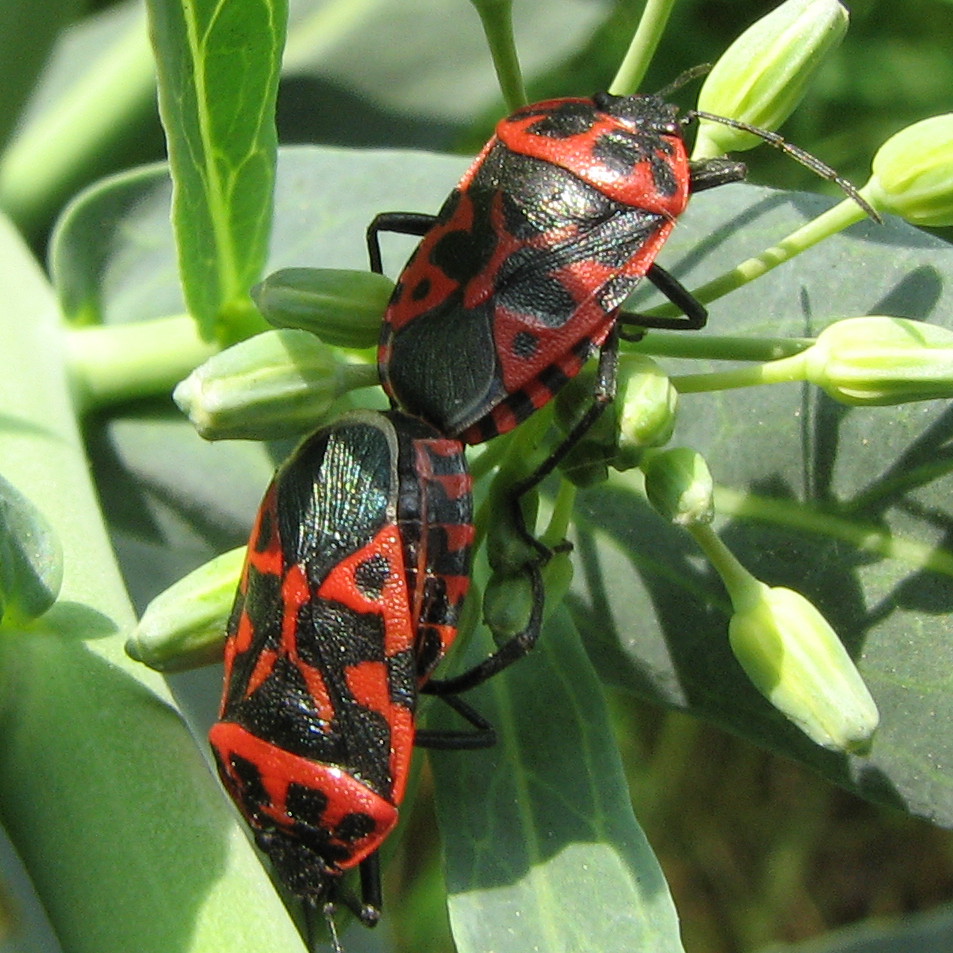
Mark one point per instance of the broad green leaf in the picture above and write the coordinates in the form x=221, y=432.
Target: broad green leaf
x=112, y=252
x=541, y=847
x=26, y=926
x=848, y=505
x=126, y=836
x=218, y=78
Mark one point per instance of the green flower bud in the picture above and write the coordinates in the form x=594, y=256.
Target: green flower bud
x=647, y=406
x=31, y=559
x=507, y=605
x=763, y=75
x=508, y=598
x=795, y=659
x=343, y=308
x=506, y=548
x=880, y=361
x=913, y=173
x=275, y=384
x=184, y=627
x=642, y=415
x=679, y=486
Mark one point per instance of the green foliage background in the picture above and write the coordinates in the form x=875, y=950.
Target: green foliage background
x=755, y=849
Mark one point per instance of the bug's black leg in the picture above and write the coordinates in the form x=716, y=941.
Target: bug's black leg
x=511, y=651
x=520, y=644
x=367, y=909
x=694, y=318
x=710, y=173
x=483, y=737
x=403, y=223
x=603, y=394
x=371, y=896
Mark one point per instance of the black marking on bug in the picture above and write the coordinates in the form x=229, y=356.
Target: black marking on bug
x=266, y=530
x=402, y=669
x=421, y=289
x=615, y=291
x=305, y=804
x=525, y=345
x=622, y=152
x=371, y=576
x=547, y=301
x=447, y=211
x=461, y=254
x=250, y=788
x=282, y=708
x=354, y=826
x=567, y=120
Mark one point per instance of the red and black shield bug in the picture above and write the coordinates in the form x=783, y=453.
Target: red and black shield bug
x=523, y=272
x=356, y=570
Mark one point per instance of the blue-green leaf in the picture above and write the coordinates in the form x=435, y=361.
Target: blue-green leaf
x=541, y=846
x=218, y=68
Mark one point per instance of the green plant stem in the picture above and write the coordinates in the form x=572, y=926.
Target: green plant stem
x=864, y=537
x=115, y=363
x=714, y=347
x=742, y=587
x=644, y=42
x=497, y=19
x=59, y=151
x=783, y=371
x=833, y=220
x=490, y=456
x=126, y=836
x=561, y=516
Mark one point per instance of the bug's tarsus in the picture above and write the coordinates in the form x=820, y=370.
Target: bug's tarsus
x=369, y=909
x=328, y=912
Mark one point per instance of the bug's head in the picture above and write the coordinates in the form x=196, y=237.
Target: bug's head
x=643, y=114
x=308, y=870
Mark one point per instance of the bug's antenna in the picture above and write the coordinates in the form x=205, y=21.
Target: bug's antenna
x=795, y=152
x=328, y=911
x=683, y=79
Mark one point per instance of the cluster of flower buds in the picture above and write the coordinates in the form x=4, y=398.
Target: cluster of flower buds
x=285, y=382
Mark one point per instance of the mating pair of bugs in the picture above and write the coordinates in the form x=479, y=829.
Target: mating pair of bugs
x=360, y=557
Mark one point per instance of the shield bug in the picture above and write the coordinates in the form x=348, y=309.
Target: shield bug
x=356, y=569
x=523, y=272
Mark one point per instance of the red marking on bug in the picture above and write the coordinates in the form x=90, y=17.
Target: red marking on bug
x=279, y=769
